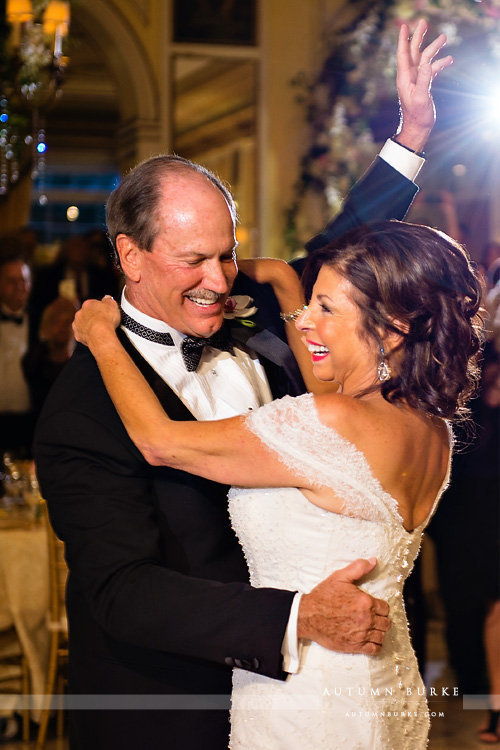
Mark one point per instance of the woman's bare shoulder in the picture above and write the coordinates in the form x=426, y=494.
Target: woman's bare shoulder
x=367, y=420
x=345, y=414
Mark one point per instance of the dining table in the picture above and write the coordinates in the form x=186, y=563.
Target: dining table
x=24, y=598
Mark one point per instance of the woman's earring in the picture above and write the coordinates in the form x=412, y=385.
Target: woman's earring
x=383, y=370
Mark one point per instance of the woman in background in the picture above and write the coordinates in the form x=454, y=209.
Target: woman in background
x=47, y=356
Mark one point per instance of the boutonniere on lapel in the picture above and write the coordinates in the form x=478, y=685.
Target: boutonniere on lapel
x=239, y=308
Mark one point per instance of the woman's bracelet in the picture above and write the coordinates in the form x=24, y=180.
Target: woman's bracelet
x=287, y=317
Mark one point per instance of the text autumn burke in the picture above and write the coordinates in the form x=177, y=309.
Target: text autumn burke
x=431, y=692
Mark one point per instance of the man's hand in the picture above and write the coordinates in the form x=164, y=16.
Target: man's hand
x=339, y=616
x=416, y=72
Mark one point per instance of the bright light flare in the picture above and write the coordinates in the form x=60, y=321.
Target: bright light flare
x=489, y=111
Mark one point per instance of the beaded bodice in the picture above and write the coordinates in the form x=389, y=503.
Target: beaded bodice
x=290, y=543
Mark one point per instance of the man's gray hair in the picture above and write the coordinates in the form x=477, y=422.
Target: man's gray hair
x=131, y=208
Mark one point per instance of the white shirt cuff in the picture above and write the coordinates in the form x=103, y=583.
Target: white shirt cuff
x=291, y=648
x=402, y=160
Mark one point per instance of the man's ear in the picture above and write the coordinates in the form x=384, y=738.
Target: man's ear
x=130, y=257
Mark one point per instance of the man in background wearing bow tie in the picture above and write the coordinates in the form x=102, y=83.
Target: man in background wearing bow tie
x=16, y=427
x=158, y=599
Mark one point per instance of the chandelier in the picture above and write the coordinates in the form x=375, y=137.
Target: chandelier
x=32, y=71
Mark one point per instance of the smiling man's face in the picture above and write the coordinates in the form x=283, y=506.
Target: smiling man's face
x=186, y=278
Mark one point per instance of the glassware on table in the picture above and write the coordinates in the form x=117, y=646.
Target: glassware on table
x=20, y=495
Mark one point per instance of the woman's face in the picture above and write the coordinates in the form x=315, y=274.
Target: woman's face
x=332, y=326
x=59, y=329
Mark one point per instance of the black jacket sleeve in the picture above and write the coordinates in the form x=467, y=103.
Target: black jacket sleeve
x=382, y=193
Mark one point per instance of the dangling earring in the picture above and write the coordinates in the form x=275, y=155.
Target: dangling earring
x=383, y=370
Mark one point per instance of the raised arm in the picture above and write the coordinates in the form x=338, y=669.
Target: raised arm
x=217, y=450
x=386, y=190
x=416, y=71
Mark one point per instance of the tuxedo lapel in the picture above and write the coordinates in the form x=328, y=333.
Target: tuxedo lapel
x=167, y=397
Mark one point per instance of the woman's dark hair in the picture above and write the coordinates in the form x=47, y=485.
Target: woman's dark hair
x=418, y=282
x=132, y=207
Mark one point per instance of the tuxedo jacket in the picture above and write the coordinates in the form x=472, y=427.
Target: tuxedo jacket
x=158, y=597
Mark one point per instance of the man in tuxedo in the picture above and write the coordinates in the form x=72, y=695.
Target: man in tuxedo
x=16, y=423
x=158, y=599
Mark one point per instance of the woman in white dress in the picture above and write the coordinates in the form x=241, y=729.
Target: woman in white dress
x=329, y=477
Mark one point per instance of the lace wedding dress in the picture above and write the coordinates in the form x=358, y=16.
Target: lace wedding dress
x=336, y=700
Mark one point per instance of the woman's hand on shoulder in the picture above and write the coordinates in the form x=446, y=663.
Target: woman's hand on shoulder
x=96, y=321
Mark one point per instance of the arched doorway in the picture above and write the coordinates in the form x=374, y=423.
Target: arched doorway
x=107, y=119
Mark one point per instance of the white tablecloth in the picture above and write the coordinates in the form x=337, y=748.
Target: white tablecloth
x=24, y=597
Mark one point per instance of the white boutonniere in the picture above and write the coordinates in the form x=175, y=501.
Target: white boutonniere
x=239, y=307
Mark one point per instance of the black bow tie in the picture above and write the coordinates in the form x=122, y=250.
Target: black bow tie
x=191, y=347
x=6, y=317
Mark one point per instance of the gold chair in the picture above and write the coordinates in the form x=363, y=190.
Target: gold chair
x=58, y=626
x=14, y=666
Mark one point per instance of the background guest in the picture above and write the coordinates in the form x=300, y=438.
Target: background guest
x=72, y=275
x=16, y=425
x=490, y=263
x=47, y=356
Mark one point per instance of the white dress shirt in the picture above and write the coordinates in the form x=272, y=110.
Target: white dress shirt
x=222, y=386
